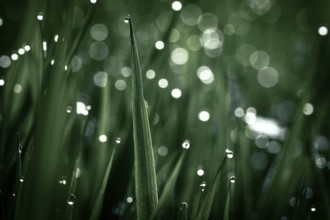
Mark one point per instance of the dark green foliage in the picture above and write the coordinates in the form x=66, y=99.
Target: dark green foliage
x=86, y=110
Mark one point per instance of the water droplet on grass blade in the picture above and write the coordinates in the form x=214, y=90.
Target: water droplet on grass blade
x=20, y=148
x=14, y=56
x=313, y=209
x=323, y=31
x=118, y=140
x=229, y=153
x=183, y=210
x=232, y=179
x=27, y=48
x=103, y=138
x=126, y=19
x=40, y=16
x=200, y=172
x=21, y=51
x=21, y=180
x=186, y=144
x=202, y=186
x=176, y=5
x=183, y=206
x=72, y=199
x=69, y=109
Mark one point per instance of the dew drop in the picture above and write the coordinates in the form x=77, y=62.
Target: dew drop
x=27, y=48
x=72, y=199
x=313, y=209
x=229, y=153
x=126, y=19
x=183, y=206
x=103, y=138
x=20, y=148
x=200, y=172
x=323, y=31
x=202, y=186
x=21, y=180
x=232, y=179
x=14, y=56
x=129, y=199
x=186, y=144
x=40, y=16
x=21, y=51
x=69, y=109
x=62, y=180
x=176, y=6
x=118, y=140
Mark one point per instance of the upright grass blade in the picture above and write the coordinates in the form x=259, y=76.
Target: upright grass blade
x=183, y=211
x=206, y=206
x=226, y=215
x=144, y=165
x=71, y=198
x=20, y=180
x=99, y=200
x=168, y=189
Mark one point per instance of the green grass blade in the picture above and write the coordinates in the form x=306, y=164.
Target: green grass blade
x=168, y=189
x=144, y=165
x=206, y=206
x=183, y=211
x=99, y=200
x=226, y=215
x=19, y=180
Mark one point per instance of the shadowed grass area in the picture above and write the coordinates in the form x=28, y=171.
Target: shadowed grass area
x=224, y=118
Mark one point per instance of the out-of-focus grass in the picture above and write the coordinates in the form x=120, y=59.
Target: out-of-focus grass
x=249, y=77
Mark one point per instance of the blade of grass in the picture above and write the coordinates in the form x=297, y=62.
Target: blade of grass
x=19, y=180
x=227, y=206
x=168, y=189
x=206, y=206
x=183, y=211
x=144, y=165
x=71, y=198
x=99, y=200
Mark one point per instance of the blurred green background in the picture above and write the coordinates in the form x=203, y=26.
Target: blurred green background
x=246, y=76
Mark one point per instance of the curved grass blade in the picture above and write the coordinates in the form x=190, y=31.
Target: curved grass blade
x=168, y=189
x=99, y=200
x=206, y=206
x=144, y=164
